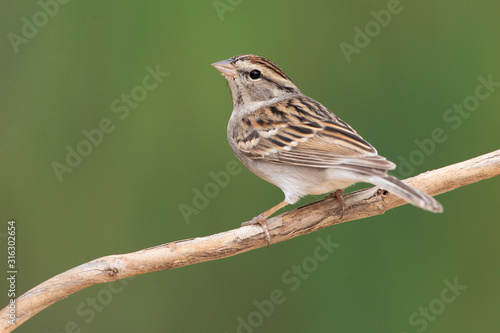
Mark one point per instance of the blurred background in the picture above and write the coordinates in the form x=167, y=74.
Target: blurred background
x=113, y=120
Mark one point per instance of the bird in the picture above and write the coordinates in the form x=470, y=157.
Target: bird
x=294, y=142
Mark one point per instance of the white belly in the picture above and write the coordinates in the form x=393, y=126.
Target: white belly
x=298, y=181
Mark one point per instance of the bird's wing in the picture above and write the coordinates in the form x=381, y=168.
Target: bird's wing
x=301, y=131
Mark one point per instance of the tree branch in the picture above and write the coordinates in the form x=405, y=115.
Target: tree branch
x=303, y=220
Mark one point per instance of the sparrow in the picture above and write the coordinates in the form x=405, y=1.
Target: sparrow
x=296, y=143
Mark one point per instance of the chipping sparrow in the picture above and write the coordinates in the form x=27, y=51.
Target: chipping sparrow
x=297, y=144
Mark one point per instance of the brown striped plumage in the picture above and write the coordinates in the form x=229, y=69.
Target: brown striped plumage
x=272, y=131
x=296, y=143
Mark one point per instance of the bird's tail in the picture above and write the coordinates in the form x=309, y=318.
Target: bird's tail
x=408, y=193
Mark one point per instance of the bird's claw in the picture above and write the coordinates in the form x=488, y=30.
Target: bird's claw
x=339, y=194
x=262, y=220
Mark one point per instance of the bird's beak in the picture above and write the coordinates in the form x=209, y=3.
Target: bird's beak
x=225, y=67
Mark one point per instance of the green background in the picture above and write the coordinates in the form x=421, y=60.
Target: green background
x=125, y=195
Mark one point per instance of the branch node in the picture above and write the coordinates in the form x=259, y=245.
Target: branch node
x=111, y=271
x=381, y=192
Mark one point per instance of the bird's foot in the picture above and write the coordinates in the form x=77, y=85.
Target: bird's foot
x=339, y=194
x=262, y=220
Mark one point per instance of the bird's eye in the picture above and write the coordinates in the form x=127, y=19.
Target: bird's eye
x=255, y=74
